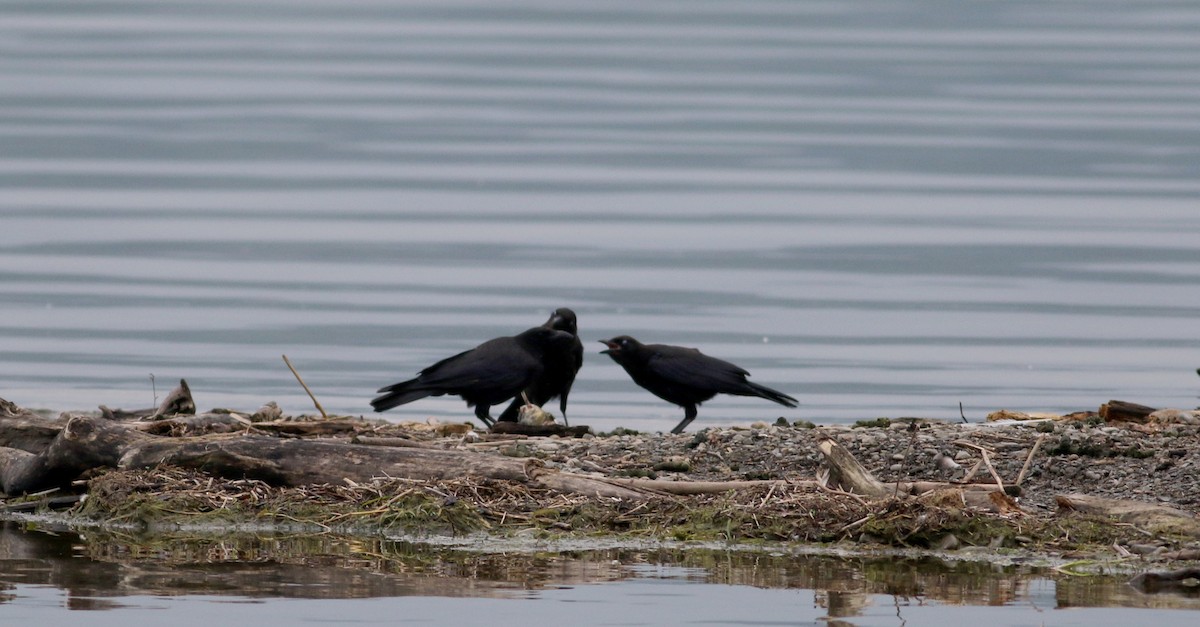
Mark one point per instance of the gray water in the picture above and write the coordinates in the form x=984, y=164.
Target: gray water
x=882, y=208
x=104, y=579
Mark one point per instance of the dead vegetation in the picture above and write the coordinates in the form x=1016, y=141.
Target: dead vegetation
x=226, y=470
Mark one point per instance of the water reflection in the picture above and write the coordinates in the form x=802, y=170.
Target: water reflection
x=98, y=569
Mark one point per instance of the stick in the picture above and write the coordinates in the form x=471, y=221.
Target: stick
x=986, y=461
x=302, y=384
x=1028, y=460
x=971, y=474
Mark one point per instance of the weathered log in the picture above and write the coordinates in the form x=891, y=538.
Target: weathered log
x=83, y=444
x=25, y=430
x=1148, y=516
x=1122, y=411
x=298, y=462
x=49, y=502
x=232, y=422
x=86, y=443
x=199, y=424
x=517, y=428
x=178, y=402
x=399, y=442
x=845, y=473
x=704, y=487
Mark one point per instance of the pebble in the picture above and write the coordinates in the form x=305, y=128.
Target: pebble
x=1100, y=466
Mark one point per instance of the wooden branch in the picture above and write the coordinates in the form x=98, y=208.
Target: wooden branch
x=28, y=431
x=177, y=403
x=517, y=428
x=199, y=424
x=702, y=487
x=1028, y=460
x=305, y=386
x=86, y=443
x=983, y=452
x=845, y=473
x=83, y=444
x=398, y=442
x=1122, y=411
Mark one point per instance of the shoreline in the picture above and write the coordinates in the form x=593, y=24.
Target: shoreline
x=775, y=503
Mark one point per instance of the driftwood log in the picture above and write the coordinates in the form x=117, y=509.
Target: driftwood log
x=178, y=402
x=845, y=473
x=1148, y=516
x=1124, y=411
x=86, y=443
x=38, y=452
x=25, y=430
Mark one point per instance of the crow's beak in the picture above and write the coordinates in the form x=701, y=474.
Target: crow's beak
x=612, y=346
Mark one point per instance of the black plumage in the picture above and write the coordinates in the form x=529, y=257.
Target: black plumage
x=561, y=364
x=486, y=375
x=685, y=376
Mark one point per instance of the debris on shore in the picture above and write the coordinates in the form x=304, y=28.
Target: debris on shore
x=1126, y=486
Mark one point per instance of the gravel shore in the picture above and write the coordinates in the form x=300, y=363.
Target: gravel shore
x=1153, y=463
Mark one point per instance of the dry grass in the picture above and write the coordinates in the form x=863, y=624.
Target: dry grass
x=170, y=498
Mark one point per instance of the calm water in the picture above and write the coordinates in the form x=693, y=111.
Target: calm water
x=881, y=207
x=110, y=580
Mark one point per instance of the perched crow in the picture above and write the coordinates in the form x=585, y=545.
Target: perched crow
x=486, y=375
x=685, y=376
x=560, y=369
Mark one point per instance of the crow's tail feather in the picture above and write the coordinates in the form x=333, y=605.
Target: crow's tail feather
x=770, y=394
x=398, y=394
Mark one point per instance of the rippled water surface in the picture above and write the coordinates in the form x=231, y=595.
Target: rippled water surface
x=107, y=579
x=879, y=207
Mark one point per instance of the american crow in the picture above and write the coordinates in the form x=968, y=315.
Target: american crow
x=561, y=365
x=486, y=375
x=685, y=376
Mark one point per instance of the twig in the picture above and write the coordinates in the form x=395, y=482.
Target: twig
x=986, y=461
x=768, y=496
x=1122, y=551
x=960, y=412
x=912, y=428
x=856, y=524
x=971, y=473
x=1029, y=460
x=303, y=385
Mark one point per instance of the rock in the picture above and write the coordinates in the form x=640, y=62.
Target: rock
x=945, y=462
x=948, y=542
x=675, y=463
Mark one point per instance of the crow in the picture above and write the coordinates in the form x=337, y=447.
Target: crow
x=685, y=376
x=486, y=375
x=561, y=366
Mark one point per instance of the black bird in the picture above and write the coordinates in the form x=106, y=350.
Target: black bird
x=486, y=375
x=685, y=376
x=561, y=366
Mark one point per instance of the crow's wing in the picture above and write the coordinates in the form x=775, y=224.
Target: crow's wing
x=691, y=368
x=498, y=364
